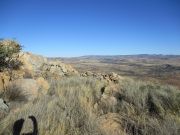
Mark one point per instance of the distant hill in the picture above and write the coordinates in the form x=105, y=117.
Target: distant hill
x=123, y=56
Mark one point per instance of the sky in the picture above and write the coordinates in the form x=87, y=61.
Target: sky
x=69, y=28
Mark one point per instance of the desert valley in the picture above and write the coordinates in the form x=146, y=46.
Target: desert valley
x=161, y=68
x=89, y=67
x=89, y=95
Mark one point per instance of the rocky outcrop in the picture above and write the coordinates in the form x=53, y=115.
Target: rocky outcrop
x=111, y=77
x=34, y=72
x=109, y=98
x=110, y=123
x=39, y=66
x=31, y=61
x=56, y=69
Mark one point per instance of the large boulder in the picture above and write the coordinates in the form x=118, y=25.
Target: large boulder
x=31, y=61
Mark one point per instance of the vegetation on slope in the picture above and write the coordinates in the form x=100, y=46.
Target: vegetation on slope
x=86, y=106
x=9, y=50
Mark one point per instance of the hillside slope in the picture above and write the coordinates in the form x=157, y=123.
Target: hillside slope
x=67, y=102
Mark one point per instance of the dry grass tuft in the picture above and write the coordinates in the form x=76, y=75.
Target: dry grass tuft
x=77, y=106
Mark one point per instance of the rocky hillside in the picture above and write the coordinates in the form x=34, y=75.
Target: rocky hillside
x=35, y=68
x=38, y=65
x=67, y=102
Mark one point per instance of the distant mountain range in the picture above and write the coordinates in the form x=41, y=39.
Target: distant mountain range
x=161, y=56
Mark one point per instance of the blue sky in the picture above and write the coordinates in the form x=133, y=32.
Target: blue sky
x=92, y=27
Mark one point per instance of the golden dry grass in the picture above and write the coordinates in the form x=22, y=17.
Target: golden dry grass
x=77, y=106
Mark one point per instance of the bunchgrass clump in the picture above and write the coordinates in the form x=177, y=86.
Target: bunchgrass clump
x=62, y=111
x=77, y=106
x=14, y=93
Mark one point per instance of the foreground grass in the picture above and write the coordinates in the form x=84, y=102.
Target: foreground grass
x=84, y=106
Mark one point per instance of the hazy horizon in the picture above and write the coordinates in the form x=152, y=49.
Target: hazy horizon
x=68, y=28
x=112, y=55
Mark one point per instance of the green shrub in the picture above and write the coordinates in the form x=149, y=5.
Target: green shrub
x=9, y=50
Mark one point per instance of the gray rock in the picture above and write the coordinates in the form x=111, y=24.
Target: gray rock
x=3, y=105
